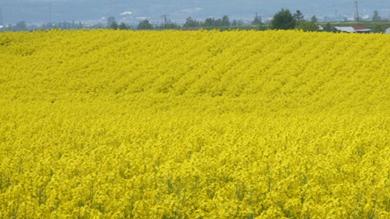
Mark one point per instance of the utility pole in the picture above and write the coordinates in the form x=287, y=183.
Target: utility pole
x=357, y=16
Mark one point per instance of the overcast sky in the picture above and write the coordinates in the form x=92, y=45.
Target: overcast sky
x=131, y=10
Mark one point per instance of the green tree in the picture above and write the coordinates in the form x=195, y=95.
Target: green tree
x=237, y=23
x=21, y=25
x=225, y=21
x=218, y=22
x=111, y=23
x=329, y=28
x=114, y=26
x=191, y=23
x=377, y=28
x=283, y=20
x=298, y=16
x=209, y=22
x=307, y=26
x=123, y=26
x=144, y=25
x=170, y=25
x=376, y=16
x=314, y=19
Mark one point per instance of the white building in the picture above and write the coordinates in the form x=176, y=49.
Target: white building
x=387, y=30
x=345, y=29
x=354, y=29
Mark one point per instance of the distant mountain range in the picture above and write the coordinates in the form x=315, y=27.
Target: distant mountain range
x=177, y=10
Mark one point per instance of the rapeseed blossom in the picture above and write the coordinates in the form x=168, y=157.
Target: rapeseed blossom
x=194, y=124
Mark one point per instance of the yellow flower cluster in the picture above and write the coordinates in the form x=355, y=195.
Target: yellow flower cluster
x=194, y=124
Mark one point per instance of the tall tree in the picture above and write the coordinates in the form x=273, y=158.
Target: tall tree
x=237, y=23
x=111, y=23
x=329, y=28
x=209, y=22
x=283, y=20
x=376, y=16
x=307, y=26
x=314, y=19
x=170, y=25
x=123, y=26
x=21, y=25
x=298, y=16
x=225, y=21
x=144, y=25
x=191, y=23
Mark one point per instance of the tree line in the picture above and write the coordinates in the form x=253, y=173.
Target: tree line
x=283, y=20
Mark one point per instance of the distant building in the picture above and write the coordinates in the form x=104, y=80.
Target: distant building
x=361, y=29
x=387, y=30
x=345, y=29
x=354, y=29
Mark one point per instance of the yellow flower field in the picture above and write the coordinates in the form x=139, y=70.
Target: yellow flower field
x=194, y=124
